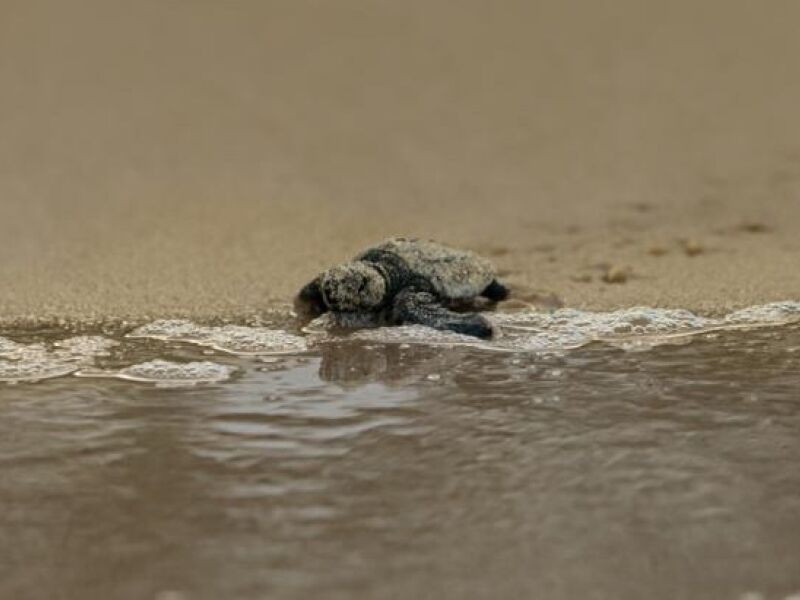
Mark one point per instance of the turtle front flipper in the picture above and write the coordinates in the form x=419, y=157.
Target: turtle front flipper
x=412, y=306
x=309, y=303
x=496, y=291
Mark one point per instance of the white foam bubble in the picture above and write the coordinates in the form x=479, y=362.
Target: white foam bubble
x=232, y=339
x=34, y=369
x=36, y=362
x=166, y=373
x=8, y=347
x=84, y=348
x=413, y=334
x=766, y=314
x=631, y=329
x=637, y=321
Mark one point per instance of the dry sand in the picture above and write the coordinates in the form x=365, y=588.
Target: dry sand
x=206, y=158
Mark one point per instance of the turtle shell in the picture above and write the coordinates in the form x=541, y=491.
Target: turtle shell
x=454, y=274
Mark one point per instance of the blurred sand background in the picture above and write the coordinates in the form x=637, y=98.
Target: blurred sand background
x=205, y=158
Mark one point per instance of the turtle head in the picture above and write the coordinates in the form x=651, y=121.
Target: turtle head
x=353, y=287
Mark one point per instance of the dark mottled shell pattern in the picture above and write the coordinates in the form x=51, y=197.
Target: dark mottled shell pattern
x=455, y=274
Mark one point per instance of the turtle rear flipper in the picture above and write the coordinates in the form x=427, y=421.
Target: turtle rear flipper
x=423, y=308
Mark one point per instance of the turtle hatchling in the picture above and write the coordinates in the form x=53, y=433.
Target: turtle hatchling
x=405, y=282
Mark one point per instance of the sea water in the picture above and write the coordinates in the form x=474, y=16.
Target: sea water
x=643, y=453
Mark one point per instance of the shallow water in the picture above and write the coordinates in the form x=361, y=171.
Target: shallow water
x=657, y=463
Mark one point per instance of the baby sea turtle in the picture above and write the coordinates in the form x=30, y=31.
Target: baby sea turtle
x=406, y=281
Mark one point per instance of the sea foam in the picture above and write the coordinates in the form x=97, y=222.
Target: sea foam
x=632, y=329
x=232, y=339
x=168, y=374
x=35, y=362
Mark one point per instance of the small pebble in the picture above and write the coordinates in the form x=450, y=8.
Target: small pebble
x=657, y=251
x=615, y=274
x=753, y=227
x=693, y=247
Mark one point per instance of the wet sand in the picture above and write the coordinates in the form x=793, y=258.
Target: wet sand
x=205, y=159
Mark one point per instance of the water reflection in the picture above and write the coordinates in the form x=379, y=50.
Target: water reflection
x=352, y=364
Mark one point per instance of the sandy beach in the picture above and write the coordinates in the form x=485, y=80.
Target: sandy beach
x=205, y=159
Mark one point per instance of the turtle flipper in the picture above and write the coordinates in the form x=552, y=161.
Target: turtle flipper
x=309, y=303
x=496, y=291
x=423, y=308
